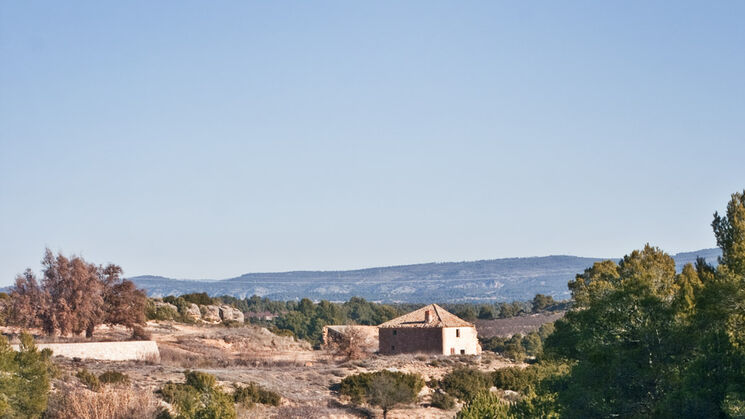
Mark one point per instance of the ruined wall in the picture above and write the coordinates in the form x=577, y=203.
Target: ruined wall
x=465, y=344
x=107, y=351
x=410, y=340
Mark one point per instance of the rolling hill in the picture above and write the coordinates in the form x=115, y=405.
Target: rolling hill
x=484, y=280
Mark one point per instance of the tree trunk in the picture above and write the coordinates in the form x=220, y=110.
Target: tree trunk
x=89, y=330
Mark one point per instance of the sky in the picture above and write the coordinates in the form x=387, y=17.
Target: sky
x=211, y=139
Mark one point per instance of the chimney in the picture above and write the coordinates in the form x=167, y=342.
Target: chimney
x=427, y=316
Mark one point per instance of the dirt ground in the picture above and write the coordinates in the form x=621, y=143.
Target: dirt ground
x=304, y=377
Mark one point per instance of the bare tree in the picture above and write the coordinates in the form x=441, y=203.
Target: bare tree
x=349, y=344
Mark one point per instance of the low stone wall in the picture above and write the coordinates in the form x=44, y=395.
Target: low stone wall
x=144, y=350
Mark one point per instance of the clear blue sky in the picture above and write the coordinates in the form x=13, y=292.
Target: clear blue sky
x=210, y=139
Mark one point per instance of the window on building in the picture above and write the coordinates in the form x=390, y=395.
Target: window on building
x=395, y=332
x=462, y=351
x=393, y=347
x=457, y=333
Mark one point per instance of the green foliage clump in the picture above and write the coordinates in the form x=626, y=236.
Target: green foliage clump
x=518, y=346
x=113, y=377
x=465, y=383
x=89, y=379
x=384, y=389
x=442, y=401
x=252, y=393
x=198, y=298
x=485, y=405
x=160, y=312
x=198, y=398
x=24, y=379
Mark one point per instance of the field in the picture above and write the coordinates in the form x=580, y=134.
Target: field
x=305, y=378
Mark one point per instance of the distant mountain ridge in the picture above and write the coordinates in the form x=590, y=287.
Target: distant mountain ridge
x=484, y=280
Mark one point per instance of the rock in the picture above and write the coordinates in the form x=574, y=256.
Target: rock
x=192, y=312
x=211, y=314
x=231, y=314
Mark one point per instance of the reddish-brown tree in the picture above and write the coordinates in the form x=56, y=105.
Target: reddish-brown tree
x=75, y=296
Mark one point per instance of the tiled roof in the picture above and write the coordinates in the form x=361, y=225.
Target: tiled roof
x=438, y=317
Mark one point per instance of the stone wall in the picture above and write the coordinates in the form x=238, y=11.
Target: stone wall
x=410, y=340
x=146, y=350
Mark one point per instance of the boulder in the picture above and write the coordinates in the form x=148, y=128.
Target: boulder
x=192, y=312
x=231, y=314
x=211, y=314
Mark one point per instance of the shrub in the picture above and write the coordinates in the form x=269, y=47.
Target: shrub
x=139, y=333
x=442, y=401
x=120, y=403
x=485, y=405
x=89, y=379
x=198, y=298
x=465, y=383
x=162, y=312
x=24, y=378
x=384, y=389
x=253, y=393
x=113, y=377
x=526, y=379
x=198, y=397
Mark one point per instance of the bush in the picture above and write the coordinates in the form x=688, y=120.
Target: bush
x=163, y=312
x=252, y=393
x=198, y=298
x=442, y=401
x=113, y=377
x=24, y=378
x=485, y=405
x=139, y=333
x=198, y=397
x=384, y=389
x=120, y=403
x=89, y=379
x=465, y=383
x=526, y=379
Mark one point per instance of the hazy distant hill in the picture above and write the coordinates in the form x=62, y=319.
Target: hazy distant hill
x=484, y=280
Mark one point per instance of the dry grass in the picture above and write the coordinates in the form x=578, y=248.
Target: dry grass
x=110, y=403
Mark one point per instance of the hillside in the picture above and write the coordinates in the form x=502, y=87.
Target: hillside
x=485, y=280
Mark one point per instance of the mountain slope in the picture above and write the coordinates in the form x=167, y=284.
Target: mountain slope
x=485, y=280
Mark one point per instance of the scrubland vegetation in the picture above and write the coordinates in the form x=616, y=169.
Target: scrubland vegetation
x=639, y=339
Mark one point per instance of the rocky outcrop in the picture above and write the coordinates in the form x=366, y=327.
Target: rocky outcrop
x=228, y=313
x=211, y=314
x=193, y=312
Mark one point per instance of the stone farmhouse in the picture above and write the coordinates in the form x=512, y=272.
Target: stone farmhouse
x=431, y=329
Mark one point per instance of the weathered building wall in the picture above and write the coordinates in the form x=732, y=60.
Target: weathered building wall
x=107, y=351
x=460, y=341
x=410, y=340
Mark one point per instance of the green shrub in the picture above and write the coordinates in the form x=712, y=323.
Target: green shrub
x=485, y=405
x=443, y=401
x=253, y=393
x=89, y=379
x=465, y=383
x=384, y=389
x=527, y=379
x=154, y=312
x=198, y=397
x=200, y=380
x=24, y=379
x=113, y=377
x=198, y=298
